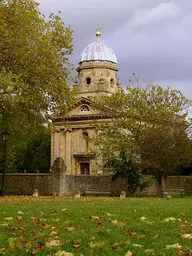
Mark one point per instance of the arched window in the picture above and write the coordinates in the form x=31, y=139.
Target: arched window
x=88, y=80
x=84, y=108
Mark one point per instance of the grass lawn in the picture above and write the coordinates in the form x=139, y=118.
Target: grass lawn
x=95, y=226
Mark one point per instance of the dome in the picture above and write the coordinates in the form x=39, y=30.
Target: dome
x=98, y=51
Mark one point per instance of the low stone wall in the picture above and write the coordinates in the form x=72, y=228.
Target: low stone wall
x=58, y=183
x=25, y=183
x=82, y=183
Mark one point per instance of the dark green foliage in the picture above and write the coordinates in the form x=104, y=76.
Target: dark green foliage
x=128, y=169
x=36, y=157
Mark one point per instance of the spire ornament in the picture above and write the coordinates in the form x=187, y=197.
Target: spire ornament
x=98, y=33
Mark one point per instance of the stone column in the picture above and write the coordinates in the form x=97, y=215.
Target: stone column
x=58, y=177
x=68, y=151
x=55, y=145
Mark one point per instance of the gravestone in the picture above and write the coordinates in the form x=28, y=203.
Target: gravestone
x=123, y=195
x=78, y=195
x=35, y=192
x=58, y=177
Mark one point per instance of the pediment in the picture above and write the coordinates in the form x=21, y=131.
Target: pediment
x=82, y=107
x=81, y=110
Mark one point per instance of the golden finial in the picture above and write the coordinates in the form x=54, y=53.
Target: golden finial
x=98, y=33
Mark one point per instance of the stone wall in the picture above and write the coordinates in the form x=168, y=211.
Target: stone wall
x=58, y=183
x=82, y=183
x=25, y=183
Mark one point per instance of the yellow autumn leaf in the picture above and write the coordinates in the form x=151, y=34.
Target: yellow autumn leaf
x=138, y=245
x=53, y=233
x=150, y=251
x=128, y=253
x=188, y=236
x=12, y=242
x=70, y=229
x=53, y=243
x=63, y=253
x=96, y=245
x=173, y=246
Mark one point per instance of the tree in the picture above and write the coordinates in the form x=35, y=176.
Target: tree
x=36, y=156
x=148, y=122
x=34, y=68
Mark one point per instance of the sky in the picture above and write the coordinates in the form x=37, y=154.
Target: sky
x=152, y=38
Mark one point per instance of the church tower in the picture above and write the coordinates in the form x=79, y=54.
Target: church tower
x=97, y=75
x=97, y=71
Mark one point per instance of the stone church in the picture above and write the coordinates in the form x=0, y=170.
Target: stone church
x=97, y=75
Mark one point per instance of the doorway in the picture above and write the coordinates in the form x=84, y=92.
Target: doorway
x=85, y=168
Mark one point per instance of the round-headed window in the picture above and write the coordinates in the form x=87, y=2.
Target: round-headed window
x=88, y=80
x=84, y=108
x=112, y=82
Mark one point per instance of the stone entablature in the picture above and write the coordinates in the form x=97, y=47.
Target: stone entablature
x=97, y=64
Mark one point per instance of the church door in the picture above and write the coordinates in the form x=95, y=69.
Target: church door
x=84, y=168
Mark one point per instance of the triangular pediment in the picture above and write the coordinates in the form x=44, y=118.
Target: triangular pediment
x=81, y=110
x=82, y=107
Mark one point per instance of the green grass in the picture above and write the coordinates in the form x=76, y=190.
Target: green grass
x=94, y=226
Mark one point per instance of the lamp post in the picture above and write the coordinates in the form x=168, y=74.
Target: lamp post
x=5, y=136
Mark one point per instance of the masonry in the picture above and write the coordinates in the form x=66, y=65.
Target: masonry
x=58, y=183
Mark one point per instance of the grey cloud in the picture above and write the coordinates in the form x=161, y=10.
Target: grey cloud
x=151, y=37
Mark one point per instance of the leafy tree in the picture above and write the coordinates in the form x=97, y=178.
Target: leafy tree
x=148, y=121
x=36, y=158
x=34, y=69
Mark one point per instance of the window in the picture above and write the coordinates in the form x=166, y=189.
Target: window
x=84, y=168
x=84, y=108
x=88, y=80
x=112, y=82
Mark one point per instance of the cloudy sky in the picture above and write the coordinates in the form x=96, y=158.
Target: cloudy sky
x=150, y=37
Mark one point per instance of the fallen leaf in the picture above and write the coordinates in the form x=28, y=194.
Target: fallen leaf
x=28, y=245
x=53, y=233
x=170, y=219
x=115, y=222
x=19, y=212
x=19, y=217
x=137, y=245
x=150, y=251
x=128, y=253
x=99, y=225
x=188, y=236
x=38, y=248
x=21, y=235
x=144, y=218
x=2, y=251
x=156, y=236
x=77, y=246
x=70, y=229
x=94, y=217
x=53, y=243
x=11, y=242
x=96, y=245
x=173, y=246
x=63, y=253
x=9, y=218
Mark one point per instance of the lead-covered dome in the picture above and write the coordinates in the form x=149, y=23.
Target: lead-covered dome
x=98, y=51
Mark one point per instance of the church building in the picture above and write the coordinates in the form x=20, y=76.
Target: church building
x=97, y=76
